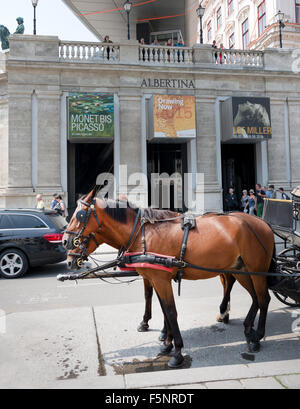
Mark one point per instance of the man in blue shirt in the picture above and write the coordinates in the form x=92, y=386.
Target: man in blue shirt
x=271, y=193
x=54, y=202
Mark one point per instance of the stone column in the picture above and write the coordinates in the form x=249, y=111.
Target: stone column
x=49, y=170
x=130, y=147
x=207, y=153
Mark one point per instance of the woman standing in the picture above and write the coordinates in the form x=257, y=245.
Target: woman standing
x=252, y=202
x=244, y=200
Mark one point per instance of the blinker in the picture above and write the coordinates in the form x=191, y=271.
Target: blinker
x=81, y=215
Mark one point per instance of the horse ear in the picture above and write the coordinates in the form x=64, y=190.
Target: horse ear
x=93, y=193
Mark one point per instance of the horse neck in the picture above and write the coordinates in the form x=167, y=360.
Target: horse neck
x=114, y=232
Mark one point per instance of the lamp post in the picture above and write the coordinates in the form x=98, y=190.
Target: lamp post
x=200, y=13
x=34, y=3
x=127, y=7
x=280, y=17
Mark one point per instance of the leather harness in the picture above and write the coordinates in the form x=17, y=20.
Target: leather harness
x=146, y=259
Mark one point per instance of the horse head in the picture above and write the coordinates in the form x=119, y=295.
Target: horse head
x=83, y=233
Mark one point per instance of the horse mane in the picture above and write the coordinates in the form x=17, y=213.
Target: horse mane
x=119, y=210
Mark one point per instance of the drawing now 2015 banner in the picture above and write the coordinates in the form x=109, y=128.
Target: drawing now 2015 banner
x=91, y=115
x=174, y=116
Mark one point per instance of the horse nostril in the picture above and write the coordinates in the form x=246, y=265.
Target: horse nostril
x=69, y=264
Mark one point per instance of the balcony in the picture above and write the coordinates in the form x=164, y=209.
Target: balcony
x=45, y=49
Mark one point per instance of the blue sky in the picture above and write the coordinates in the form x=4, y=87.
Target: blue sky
x=53, y=18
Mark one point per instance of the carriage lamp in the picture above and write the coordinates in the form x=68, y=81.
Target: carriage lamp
x=280, y=17
x=200, y=13
x=127, y=7
x=34, y=3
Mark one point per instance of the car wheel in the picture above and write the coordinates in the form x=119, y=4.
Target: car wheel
x=13, y=264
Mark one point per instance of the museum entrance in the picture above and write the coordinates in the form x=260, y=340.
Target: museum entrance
x=238, y=168
x=167, y=164
x=85, y=162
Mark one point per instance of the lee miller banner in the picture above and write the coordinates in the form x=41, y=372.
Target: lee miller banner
x=246, y=118
x=91, y=115
x=174, y=116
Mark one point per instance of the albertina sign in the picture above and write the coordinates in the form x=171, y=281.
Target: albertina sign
x=91, y=115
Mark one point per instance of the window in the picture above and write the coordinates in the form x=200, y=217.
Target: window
x=219, y=18
x=27, y=222
x=5, y=222
x=209, y=31
x=230, y=6
x=261, y=11
x=232, y=41
x=298, y=11
x=245, y=34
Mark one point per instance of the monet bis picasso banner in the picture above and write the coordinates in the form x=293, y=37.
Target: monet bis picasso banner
x=174, y=116
x=246, y=118
x=91, y=115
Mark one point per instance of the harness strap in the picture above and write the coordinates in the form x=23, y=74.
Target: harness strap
x=143, y=222
x=123, y=249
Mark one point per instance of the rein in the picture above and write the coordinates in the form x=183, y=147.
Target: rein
x=188, y=222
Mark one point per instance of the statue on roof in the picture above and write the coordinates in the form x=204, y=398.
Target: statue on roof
x=20, y=29
x=4, y=34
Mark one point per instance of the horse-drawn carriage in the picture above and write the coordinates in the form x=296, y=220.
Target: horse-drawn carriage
x=162, y=246
x=283, y=217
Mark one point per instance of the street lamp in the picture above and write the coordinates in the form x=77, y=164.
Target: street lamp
x=127, y=7
x=34, y=3
x=200, y=13
x=280, y=17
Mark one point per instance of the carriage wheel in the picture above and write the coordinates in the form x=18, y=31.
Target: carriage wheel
x=286, y=300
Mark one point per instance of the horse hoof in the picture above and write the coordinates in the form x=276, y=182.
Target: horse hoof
x=143, y=327
x=176, y=361
x=253, y=347
x=225, y=319
x=162, y=337
x=165, y=349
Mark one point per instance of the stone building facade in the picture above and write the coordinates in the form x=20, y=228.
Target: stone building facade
x=39, y=74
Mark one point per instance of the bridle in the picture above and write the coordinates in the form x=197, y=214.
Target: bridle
x=81, y=241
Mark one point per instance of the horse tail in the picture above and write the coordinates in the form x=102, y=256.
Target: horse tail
x=273, y=269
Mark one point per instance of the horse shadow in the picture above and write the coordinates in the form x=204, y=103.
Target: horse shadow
x=215, y=345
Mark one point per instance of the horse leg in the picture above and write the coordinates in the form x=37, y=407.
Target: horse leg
x=263, y=298
x=163, y=332
x=227, y=282
x=148, y=291
x=165, y=293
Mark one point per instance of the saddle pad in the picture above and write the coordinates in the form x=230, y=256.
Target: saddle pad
x=132, y=266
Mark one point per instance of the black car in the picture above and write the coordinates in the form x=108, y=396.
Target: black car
x=29, y=237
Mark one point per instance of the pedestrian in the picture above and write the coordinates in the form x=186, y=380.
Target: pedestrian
x=214, y=45
x=109, y=48
x=244, y=201
x=271, y=193
x=231, y=202
x=222, y=55
x=180, y=53
x=284, y=196
x=39, y=202
x=252, y=203
x=54, y=201
x=144, y=50
x=169, y=44
x=156, y=51
x=260, y=194
x=61, y=207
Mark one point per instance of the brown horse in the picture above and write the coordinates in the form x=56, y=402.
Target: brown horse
x=223, y=242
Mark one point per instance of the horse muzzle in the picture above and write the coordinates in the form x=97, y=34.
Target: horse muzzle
x=75, y=261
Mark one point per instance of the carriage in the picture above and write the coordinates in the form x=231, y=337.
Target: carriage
x=283, y=217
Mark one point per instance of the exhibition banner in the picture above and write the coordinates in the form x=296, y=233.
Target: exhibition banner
x=91, y=115
x=174, y=116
